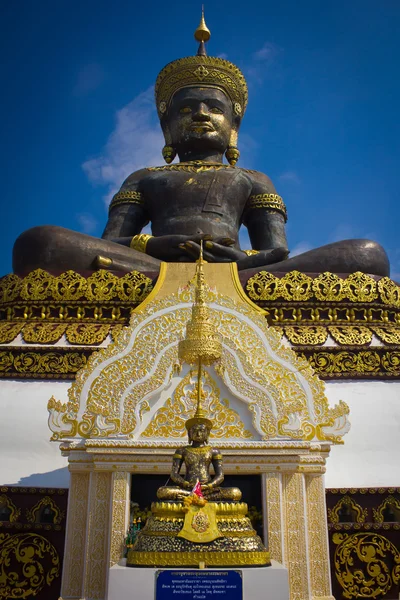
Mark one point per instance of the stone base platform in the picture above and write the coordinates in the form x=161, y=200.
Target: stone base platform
x=259, y=583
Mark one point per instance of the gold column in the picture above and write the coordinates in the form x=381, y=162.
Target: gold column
x=295, y=535
x=97, y=545
x=318, y=538
x=273, y=488
x=119, y=515
x=74, y=555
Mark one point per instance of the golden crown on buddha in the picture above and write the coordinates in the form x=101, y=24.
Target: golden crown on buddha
x=201, y=71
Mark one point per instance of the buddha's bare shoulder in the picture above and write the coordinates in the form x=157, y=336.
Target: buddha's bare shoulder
x=258, y=179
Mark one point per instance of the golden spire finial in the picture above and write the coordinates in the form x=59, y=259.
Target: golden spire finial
x=202, y=33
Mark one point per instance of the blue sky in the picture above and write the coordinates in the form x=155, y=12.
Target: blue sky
x=323, y=117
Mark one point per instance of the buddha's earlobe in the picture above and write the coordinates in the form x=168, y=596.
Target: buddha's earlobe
x=232, y=153
x=168, y=151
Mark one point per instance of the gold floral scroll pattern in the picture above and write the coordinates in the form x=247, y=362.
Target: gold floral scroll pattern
x=295, y=535
x=359, y=513
x=327, y=287
x=389, y=502
x=6, y=502
x=317, y=537
x=119, y=524
x=388, y=334
x=274, y=513
x=87, y=333
x=347, y=363
x=307, y=336
x=74, y=557
x=97, y=543
x=351, y=335
x=367, y=565
x=9, y=331
x=169, y=420
x=101, y=286
x=61, y=364
x=43, y=333
x=33, y=515
x=23, y=569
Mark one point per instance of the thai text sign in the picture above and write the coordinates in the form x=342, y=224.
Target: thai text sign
x=203, y=584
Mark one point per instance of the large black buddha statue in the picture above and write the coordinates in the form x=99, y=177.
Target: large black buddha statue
x=200, y=101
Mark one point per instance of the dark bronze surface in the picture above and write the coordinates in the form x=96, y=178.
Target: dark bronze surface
x=205, y=199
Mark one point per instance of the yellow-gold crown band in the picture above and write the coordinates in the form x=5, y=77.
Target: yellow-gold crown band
x=204, y=71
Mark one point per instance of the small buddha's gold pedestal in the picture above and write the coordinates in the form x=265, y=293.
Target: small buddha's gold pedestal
x=218, y=534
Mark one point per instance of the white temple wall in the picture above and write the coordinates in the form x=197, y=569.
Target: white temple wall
x=28, y=458
x=370, y=456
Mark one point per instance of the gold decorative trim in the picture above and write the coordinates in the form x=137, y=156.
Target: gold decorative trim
x=9, y=331
x=34, y=362
x=196, y=166
x=360, y=565
x=317, y=538
x=87, y=333
x=351, y=335
x=389, y=501
x=335, y=363
x=126, y=197
x=8, y=503
x=192, y=559
x=308, y=335
x=43, y=333
x=327, y=287
x=267, y=201
x=380, y=490
x=33, y=516
x=360, y=512
x=100, y=286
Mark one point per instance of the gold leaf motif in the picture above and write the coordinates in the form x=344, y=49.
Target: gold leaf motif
x=133, y=287
x=311, y=335
x=169, y=420
x=351, y=335
x=24, y=556
x=37, y=285
x=367, y=565
x=101, y=285
x=361, y=362
x=87, y=333
x=69, y=286
x=388, y=334
x=10, y=288
x=43, y=333
x=296, y=286
x=389, y=291
x=329, y=287
x=9, y=331
x=361, y=287
x=264, y=286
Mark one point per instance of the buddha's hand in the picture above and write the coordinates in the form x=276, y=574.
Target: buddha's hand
x=172, y=248
x=214, y=251
x=264, y=257
x=187, y=485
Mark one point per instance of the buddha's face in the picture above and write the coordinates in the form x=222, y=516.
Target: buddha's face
x=201, y=118
x=198, y=433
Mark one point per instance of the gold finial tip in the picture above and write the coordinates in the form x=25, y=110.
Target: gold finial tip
x=202, y=33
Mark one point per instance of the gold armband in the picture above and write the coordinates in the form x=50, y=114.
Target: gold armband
x=218, y=457
x=177, y=456
x=126, y=197
x=139, y=242
x=251, y=252
x=268, y=201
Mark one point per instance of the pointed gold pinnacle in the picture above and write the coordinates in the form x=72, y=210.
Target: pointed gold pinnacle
x=202, y=33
